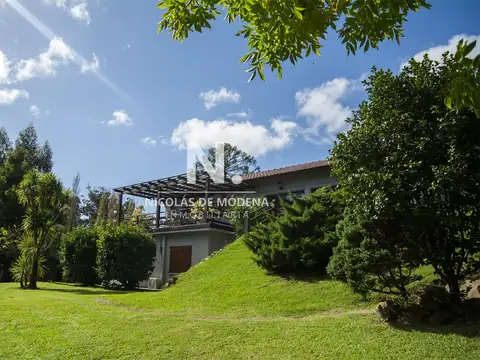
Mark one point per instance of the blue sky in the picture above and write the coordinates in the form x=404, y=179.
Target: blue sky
x=119, y=103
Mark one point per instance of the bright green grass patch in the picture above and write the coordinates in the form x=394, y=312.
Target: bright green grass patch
x=67, y=322
x=224, y=308
x=231, y=283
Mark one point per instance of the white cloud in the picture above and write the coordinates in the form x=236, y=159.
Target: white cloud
x=241, y=115
x=127, y=47
x=9, y=96
x=46, y=63
x=163, y=140
x=58, y=3
x=149, y=142
x=35, y=110
x=323, y=106
x=436, y=52
x=80, y=13
x=4, y=69
x=212, y=98
x=91, y=67
x=120, y=117
x=254, y=139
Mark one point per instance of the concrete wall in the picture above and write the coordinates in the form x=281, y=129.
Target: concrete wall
x=203, y=242
x=218, y=240
x=305, y=180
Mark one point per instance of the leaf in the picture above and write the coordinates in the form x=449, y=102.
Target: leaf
x=469, y=48
x=253, y=76
x=448, y=102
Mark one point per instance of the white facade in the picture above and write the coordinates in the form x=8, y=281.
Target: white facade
x=305, y=180
x=203, y=242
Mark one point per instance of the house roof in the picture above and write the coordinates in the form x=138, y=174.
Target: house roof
x=286, y=169
x=178, y=186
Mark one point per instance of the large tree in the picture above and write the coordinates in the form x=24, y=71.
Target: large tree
x=281, y=30
x=15, y=161
x=46, y=207
x=236, y=161
x=412, y=166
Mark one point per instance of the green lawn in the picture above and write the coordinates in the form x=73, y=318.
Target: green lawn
x=225, y=308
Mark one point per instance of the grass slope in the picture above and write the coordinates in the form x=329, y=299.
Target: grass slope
x=231, y=283
x=225, y=308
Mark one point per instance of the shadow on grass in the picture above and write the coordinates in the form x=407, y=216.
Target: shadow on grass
x=83, y=290
x=469, y=330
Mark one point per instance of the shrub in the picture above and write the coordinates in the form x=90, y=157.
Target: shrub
x=367, y=265
x=409, y=158
x=125, y=255
x=79, y=256
x=302, y=239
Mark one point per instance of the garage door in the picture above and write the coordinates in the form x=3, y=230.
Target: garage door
x=180, y=259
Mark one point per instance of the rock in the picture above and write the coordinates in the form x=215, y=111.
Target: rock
x=434, y=297
x=387, y=310
x=441, y=318
x=414, y=314
x=474, y=292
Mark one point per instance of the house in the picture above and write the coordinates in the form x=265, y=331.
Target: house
x=184, y=240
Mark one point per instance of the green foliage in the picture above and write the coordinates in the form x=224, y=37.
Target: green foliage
x=302, y=239
x=125, y=254
x=26, y=155
x=79, y=256
x=465, y=92
x=256, y=214
x=22, y=269
x=409, y=160
x=292, y=29
x=236, y=161
x=46, y=207
x=368, y=261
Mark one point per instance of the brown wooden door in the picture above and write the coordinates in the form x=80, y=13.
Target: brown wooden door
x=180, y=259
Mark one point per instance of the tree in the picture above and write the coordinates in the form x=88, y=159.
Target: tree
x=235, y=162
x=79, y=254
x=26, y=155
x=302, y=239
x=15, y=162
x=74, y=213
x=45, y=202
x=125, y=254
x=369, y=259
x=100, y=206
x=410, y=161
x=5, y=145
x=465, y=92
x=292, y=29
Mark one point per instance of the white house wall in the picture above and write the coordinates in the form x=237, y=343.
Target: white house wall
x=305, y=180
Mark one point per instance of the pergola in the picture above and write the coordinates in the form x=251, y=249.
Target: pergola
x=178, y=187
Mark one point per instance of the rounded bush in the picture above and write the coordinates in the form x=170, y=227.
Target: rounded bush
x=79, y=255
x=125, y=256
x=302, y=239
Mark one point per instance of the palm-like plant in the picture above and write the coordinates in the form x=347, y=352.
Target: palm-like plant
x=46, y=205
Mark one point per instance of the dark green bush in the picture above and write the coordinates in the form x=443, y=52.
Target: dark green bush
x=126, y=255
x=302, y=239
x=79, y=256
x=367, y=262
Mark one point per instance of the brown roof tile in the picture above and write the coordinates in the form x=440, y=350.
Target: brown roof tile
x=285, y=170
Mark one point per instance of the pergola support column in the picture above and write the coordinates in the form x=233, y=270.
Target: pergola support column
x=157, y=213
x=120, y=208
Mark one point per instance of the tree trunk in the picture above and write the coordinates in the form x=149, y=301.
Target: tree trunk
x=454, y=288
x=33, y=278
